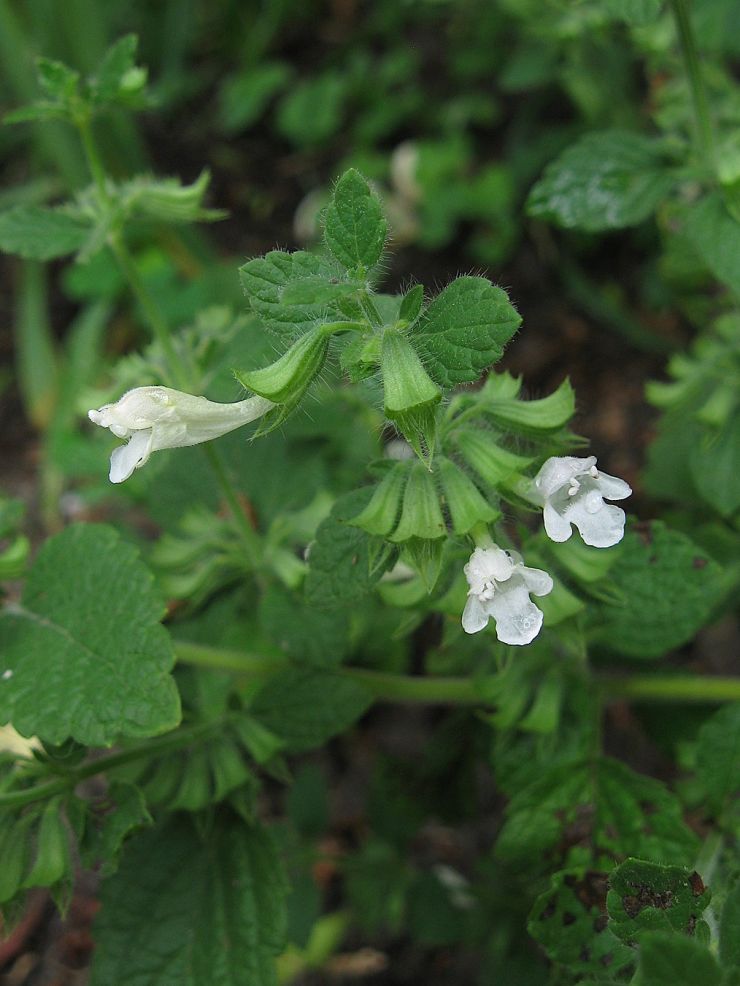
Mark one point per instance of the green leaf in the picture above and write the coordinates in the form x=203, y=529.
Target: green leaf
x=716, y=236
x=200, y=912
x=667, y=588
x=354, y=226
x=306, y=707
x=88, y=657
x=637, y=13
x=607, y=180
x=464, y=330
x=718, y=755
x=569, y=921
x=309, y=636
x=601, y=806
x=715, y=465
x=56, y=79
x=39, y=233
x=266, y=279
x=106, y=834
x=311, y=111
x=243, y=98
x=645, y=896
x=344, y=563
x=118, y=79
x=672, y=960
x=729, y=928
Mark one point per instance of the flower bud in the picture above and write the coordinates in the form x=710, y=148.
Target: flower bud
x=285, y=381
x=421, y=516
x=381, y=513
x=466, y=504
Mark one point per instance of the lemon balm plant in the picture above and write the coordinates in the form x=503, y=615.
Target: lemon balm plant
x=392, y=487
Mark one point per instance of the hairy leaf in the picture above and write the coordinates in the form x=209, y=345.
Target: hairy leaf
x=87, y=656
x=354, y=226
x=182, y=911
x=464, y=330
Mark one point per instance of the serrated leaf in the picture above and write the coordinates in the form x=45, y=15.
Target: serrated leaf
x=601, y=806
x=607, y=180
x=666, y=589
x=673, y=960
x=265, y=280
x=201, y=912
x=307, y=707
x=39, y=233
x=645, y=896
x=569, y=921
x=344, y=563
x=354, y=226
x=464, y=330
x=716, y=236
x=88, y=656
x=718, y=755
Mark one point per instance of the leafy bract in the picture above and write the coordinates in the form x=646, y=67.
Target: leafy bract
x=306, y=707
x=718, y=755
x=87, y=656
x=595, y=807
x=464, y=330
x=666, y=589
x=199, y=912
x=645, y=896
x=569, y=920
x=673, y=960
x=39, y=233
x=354, y=226
x=344, y=562
x=311, y=280
x=607, y=180
x=716, y=235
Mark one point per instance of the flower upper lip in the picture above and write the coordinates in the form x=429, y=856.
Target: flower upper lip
x=499, y=587
x=572, y=491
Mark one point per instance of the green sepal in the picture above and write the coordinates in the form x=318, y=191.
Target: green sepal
x=410, y=395
x=13, y=855
x=495, y=465
x=410, y=307
x=544, y=414
x=421, y=516
x=381, y=513
x=285, y=381
x=426, y=558
x=52, y=860
x=465, y=502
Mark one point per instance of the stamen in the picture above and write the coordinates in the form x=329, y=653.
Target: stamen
x=574, y=487
x=594, y=472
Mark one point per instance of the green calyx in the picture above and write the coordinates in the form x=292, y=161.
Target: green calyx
x=421, y=515
x=495, y=465
x=380, y=516
x=410, y=395
x=464, y=500
x=285, y=381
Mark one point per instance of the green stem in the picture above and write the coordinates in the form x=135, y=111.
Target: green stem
x=183, y=737
x=671, y=688
x=704, y=137
x=250, y=539
x=93, y=159
x=464, y=691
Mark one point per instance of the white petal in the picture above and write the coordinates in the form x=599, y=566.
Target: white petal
x=518, y=621
x=475, y=615
x=536, y=580
x=557, y=527
x=612, y=487
x=559, y=470
x=126, y=458
x=601, y=529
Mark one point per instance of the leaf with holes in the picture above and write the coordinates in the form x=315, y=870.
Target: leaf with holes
x=645, y=896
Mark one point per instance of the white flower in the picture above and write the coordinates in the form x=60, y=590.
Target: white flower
x=154, y=418
x=499, y=587
x=572, y=491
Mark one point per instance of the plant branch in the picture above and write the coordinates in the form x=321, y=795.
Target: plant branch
x=703, y=121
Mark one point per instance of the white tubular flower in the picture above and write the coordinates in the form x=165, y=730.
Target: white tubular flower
x=499, y=587
x=154, y=418
x=572, y=491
